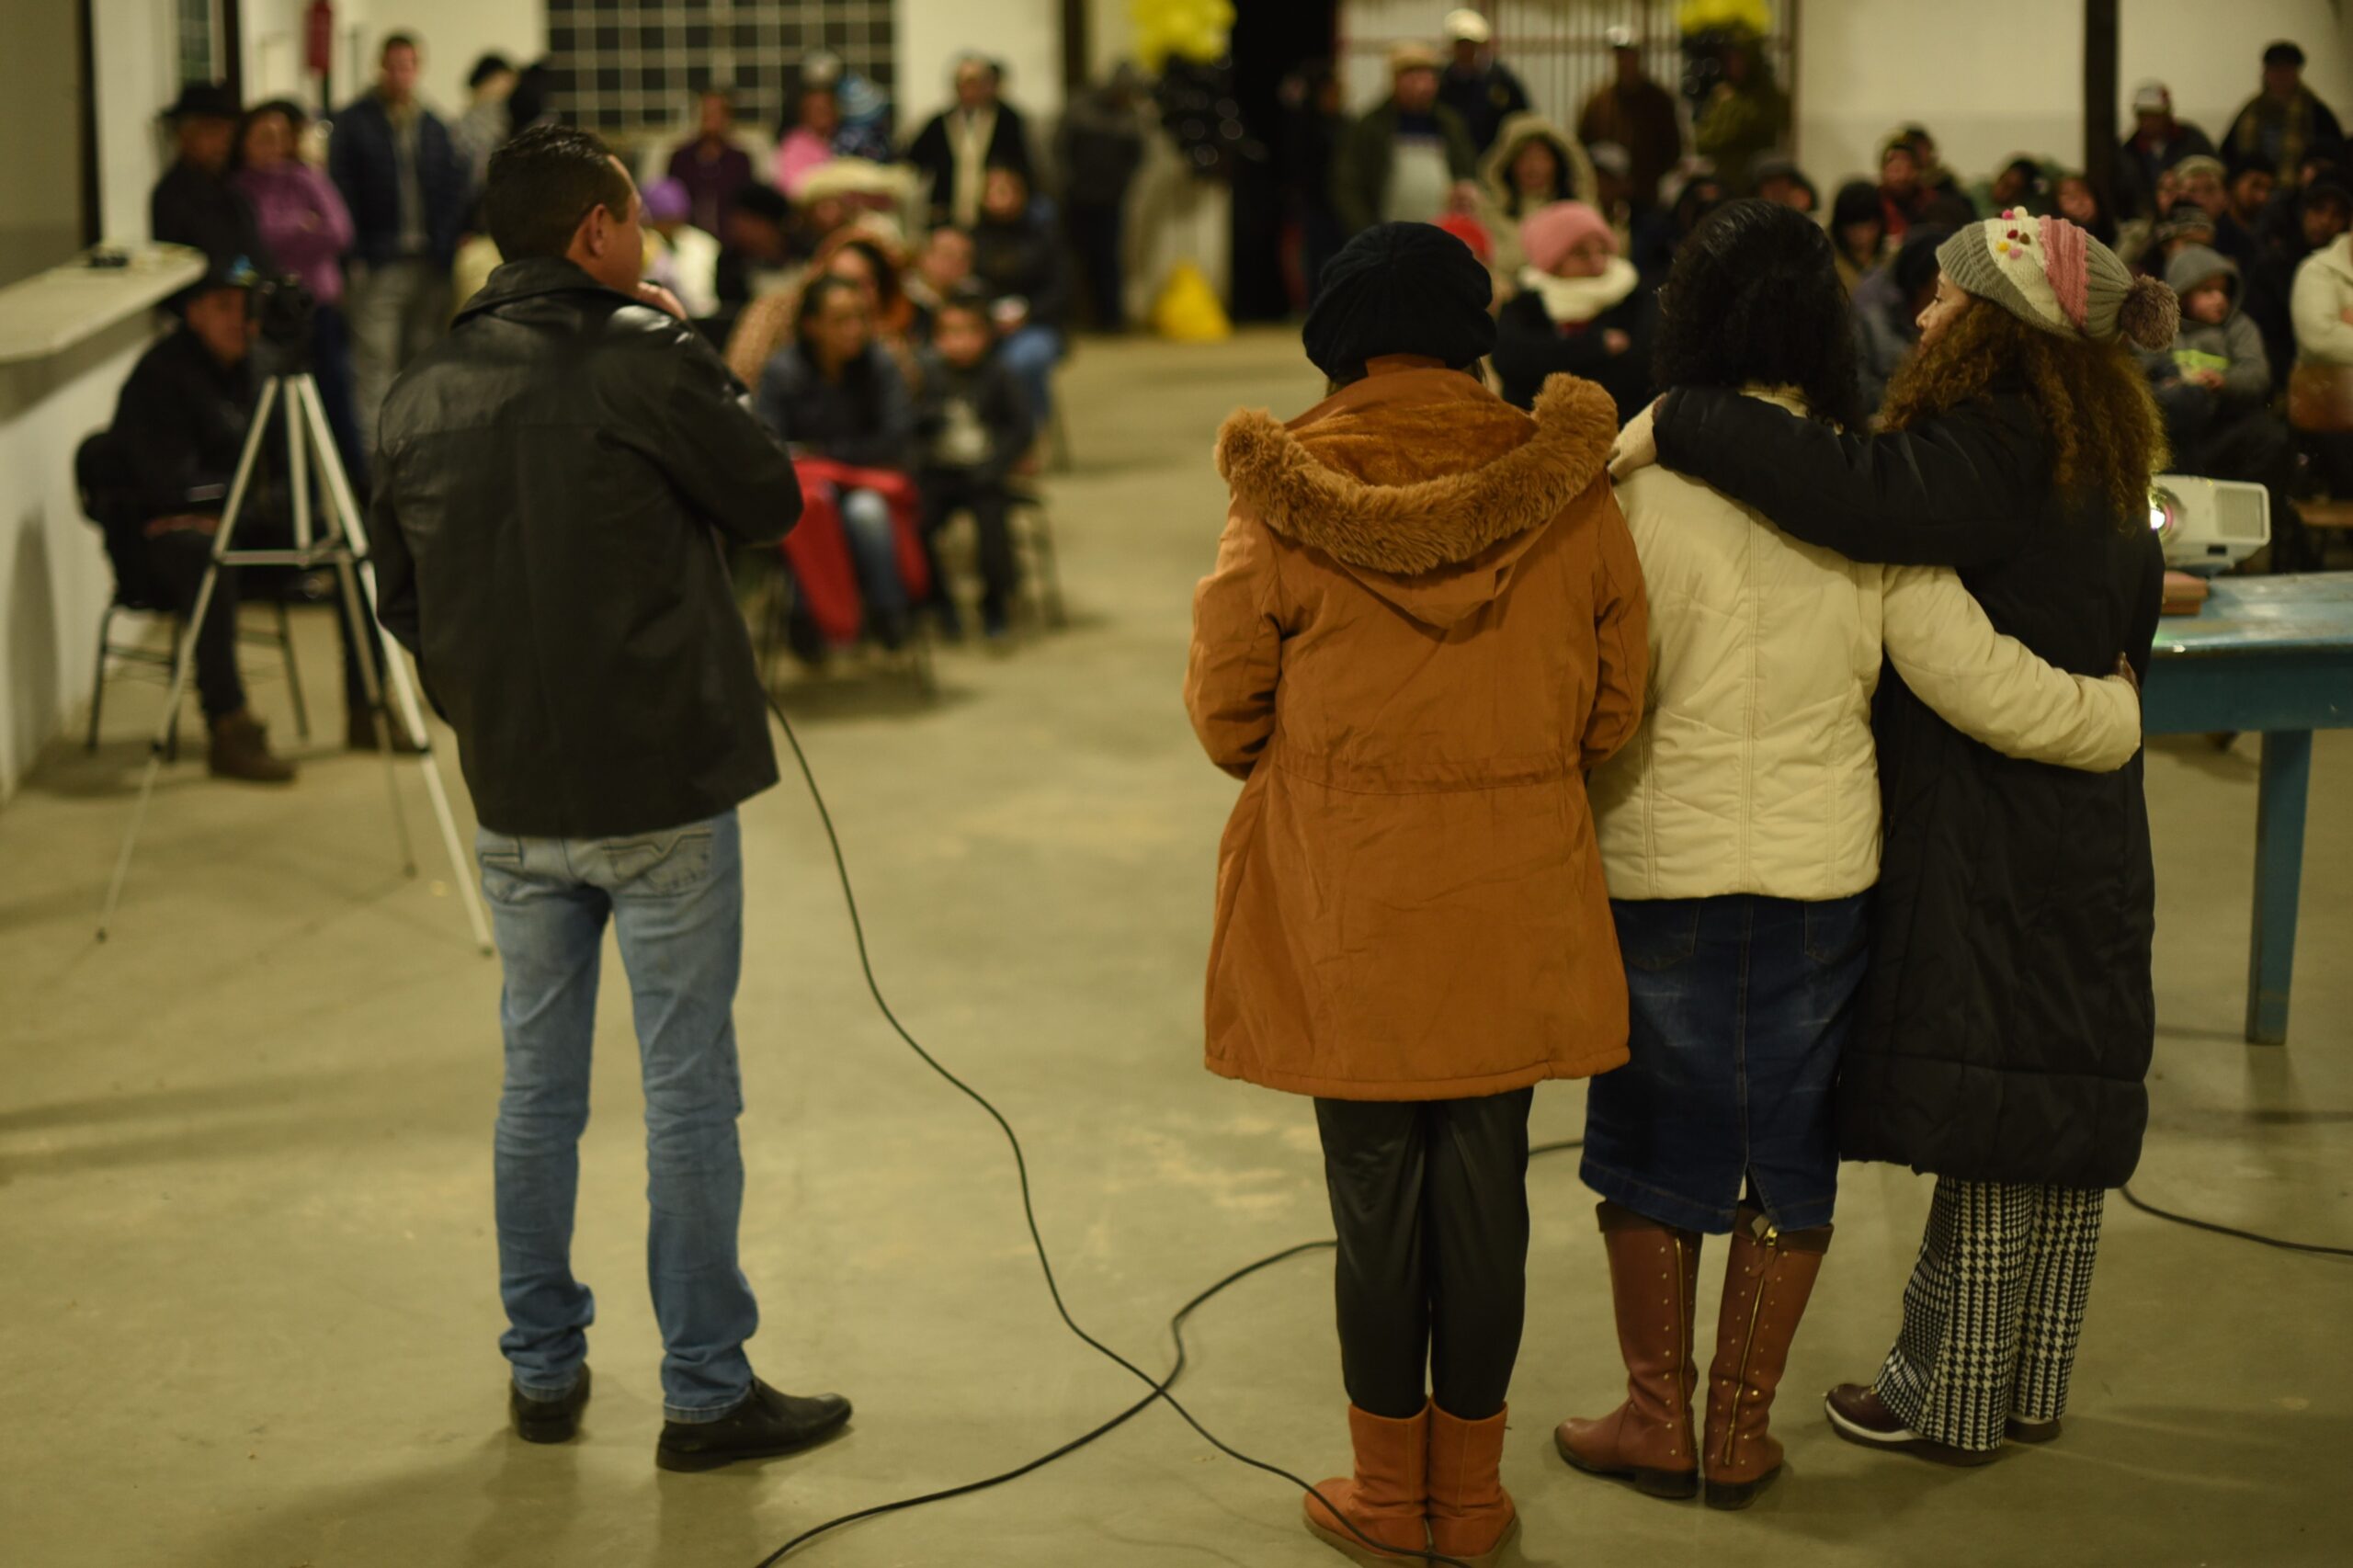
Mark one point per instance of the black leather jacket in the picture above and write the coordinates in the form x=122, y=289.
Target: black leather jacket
x=552, y=482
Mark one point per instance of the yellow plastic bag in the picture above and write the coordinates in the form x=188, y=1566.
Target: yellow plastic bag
x=1188, y=309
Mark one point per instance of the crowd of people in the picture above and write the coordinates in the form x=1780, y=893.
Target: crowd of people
x=901, y=312
x=1581, y=224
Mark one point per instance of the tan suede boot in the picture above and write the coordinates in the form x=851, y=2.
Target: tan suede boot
x=1766, y=1281
x=241, y=750
x=1470, y=1514
x=1388, y=1497
x=1654, y=1274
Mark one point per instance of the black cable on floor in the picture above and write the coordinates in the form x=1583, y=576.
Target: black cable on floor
x=2283, y=1245
x=1159, y=1387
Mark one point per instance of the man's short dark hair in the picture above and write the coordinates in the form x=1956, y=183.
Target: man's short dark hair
x=542, y=183
x=397, y=41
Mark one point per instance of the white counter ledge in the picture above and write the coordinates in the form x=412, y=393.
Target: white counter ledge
x=52, y=310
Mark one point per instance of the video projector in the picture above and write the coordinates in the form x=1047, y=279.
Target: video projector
x=2208, y=525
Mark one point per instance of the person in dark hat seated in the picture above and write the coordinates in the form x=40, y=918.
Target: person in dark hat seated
x=193, y=204
x=160, y=482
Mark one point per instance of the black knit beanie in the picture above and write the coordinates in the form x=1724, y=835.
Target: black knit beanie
x=1400, y=289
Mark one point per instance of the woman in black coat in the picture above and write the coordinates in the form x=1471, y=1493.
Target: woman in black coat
x=2009, y=1015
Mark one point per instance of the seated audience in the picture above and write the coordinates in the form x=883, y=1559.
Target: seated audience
x=2186, y=225
x=2020, y=183
x=864, y=256
x=2158, y=142
x=2320, y=394
x=1532, y=164
x=1943, y=185
x=688, y=265
x=1903, y=199
x=1779, y=181
x=1582, y=310
x=975, y=428
x=2306, y=220
x=836, y=397
x=1017, y=261
x=2238, y=226
x=1857, y=232
x=714, y=167
x=942, y=268
x=805, y=141
x=307, y=228
x=179, y=430
x=2214, y=386
x=2075, y=197
x=866, y=129
x=194, y=204
x=1887, y=303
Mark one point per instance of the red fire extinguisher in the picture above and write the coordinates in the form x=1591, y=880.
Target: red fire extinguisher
x=318, y=36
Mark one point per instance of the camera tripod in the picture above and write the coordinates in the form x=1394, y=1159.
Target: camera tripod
x=342, y=544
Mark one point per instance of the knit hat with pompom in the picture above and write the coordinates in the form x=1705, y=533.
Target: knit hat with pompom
x=2052, y=275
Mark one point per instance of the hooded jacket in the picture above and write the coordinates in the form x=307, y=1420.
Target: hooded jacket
x=1495, y=214
x=552, y=482
x=2322, y=294
x=2234, y=347
x=1754, y=770
x=1425, y=625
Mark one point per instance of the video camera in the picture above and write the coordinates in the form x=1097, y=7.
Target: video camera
x=281, y=310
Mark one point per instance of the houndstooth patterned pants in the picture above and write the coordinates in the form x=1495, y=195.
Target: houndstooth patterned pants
x=1993, y=1309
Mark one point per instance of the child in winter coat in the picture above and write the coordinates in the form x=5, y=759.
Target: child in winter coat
x=1583, y=312
x=975, y=428
x=1424, y=627
x=2214, y=385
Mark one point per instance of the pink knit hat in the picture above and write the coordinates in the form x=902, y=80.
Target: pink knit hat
x=2052, y=275
x=1550, y=234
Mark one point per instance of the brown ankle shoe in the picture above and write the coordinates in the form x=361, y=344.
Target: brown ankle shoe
x=1654, y=1274
x=240, y=750
x=1766, y=1281
x=1858, y=1415
x=1388, y=1497
x=1470, y=1514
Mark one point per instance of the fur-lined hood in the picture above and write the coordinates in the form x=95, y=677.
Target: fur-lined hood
x=1424, y=485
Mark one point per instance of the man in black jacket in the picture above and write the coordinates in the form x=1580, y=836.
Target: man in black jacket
x=193, y=204
x=555, y=479
x=961, y=143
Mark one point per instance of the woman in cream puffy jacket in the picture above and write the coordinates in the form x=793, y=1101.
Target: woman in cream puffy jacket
x=1740, y=835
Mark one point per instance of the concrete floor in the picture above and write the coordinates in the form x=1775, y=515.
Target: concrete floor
x=247, y=1315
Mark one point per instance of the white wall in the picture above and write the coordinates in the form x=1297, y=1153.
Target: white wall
x=1025, y=34
x=53, y=576
x=2007, y=75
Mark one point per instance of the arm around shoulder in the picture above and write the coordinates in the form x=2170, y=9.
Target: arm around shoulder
x=1995, y=689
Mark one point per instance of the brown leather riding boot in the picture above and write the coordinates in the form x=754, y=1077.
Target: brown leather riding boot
x=1766, y=1281
x=241, y=750
x=1388, y=1498
x=1654, y=1274
x=1470, y=1514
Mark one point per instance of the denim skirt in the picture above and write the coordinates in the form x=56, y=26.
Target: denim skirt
x=1740, y=1007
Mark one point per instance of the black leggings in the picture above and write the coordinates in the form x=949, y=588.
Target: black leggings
x=1430, y=1200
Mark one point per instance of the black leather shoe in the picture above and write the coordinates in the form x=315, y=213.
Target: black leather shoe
x=766, y=1423
x=548, y=1420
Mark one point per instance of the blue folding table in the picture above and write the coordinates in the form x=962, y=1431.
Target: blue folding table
x=2274, y=655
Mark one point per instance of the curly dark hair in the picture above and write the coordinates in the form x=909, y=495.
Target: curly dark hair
x=2103, y=429
x=1755, y=299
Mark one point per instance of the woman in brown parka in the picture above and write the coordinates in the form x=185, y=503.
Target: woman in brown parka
x=1426, y=625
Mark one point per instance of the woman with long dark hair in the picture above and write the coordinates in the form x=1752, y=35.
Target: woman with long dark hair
x=837, y=398
x=2008, y=1019
x=1740, y=834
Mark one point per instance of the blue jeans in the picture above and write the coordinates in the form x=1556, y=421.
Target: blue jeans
x=676, y=899
x=873, y=541
x=1740, y=1009
x=1030, y=355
